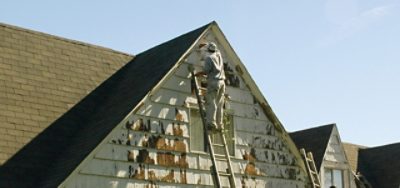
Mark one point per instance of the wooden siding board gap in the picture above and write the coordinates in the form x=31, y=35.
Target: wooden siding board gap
x=147, y=181
x=157, y=134
x=155, y=166
x=162, y=119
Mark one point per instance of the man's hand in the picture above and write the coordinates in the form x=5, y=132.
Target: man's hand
x=200, y=74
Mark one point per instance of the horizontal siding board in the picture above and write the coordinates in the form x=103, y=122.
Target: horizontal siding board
x=171, y=97
x=253, y=126
x=240, y=95
x=178, y=84
x=260, y=141
x=262, y=159
x=121, y=170
x=129, y=170
x=90, y=180
x=248, y=111
x=152, y=126
x=204, y=165
x=163, y=111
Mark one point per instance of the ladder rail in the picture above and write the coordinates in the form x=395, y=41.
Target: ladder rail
x=304, y=155
x=314, y=168
x=210, y=144
x=311, y=157
x=360, y=179
x=228, y=158
x=311, y=169
x=217, y=179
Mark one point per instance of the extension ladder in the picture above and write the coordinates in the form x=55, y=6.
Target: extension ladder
x=214, y=157
x=361, y=181
x=311, y=169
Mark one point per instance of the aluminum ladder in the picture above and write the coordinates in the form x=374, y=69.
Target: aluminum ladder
x=214, y=157
x=311, y=169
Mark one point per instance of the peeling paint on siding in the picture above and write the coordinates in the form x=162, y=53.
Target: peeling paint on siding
x=152, y=148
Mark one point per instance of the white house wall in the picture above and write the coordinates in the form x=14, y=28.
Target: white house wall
x=335, y=158
x=151, y=147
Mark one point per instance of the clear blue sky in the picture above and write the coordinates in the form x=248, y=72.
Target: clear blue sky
x=317, y=62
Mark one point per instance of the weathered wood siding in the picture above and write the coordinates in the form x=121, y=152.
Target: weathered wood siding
x=152, y=147
x=335, y=159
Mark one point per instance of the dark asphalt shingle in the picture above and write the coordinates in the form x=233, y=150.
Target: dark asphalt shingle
x=50, y=157
x=314, y=140
x=41, y=77
x=381, y=165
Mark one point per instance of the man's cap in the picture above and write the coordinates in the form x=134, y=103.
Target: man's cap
x=212, y=47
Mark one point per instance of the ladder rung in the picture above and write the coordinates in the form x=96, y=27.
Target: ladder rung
x=219, y=155
x=214, y=157
x=312, y=172
x=222, y=156
x=224, y=174
x=219, y=145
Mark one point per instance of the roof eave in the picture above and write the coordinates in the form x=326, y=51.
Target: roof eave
x=136, y=108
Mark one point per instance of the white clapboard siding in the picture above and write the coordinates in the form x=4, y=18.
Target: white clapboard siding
x=172, y=97
x=120, y=169
x=120, y=153
x=178, y=84
x=195, y=58
x=253, y=126
x=257, y=140
x=159, y=125
x=106, y=168
x=334, y=151
x=163, y=111
x=248, y=111
x=240, y=95
x=165, y=116
x=86, y=180
x=183, y=70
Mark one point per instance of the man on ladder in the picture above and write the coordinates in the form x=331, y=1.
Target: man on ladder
x=214, y=69
x=213, y=117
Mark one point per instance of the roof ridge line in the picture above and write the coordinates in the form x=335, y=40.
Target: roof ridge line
x=18, y=28
x=357, y=145
x=317, y=127
x=381, y=146
x=134, y=63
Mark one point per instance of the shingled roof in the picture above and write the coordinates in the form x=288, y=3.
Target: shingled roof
x=352, y=151
x=315, y=140
x=381, y=165
x=50, y=157
x=42, y=77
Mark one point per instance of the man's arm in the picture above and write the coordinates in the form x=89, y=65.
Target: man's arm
x=207, y=67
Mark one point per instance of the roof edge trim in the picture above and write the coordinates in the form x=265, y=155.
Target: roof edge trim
x=138, y=105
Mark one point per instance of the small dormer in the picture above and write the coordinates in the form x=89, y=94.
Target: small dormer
x=330, y=159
